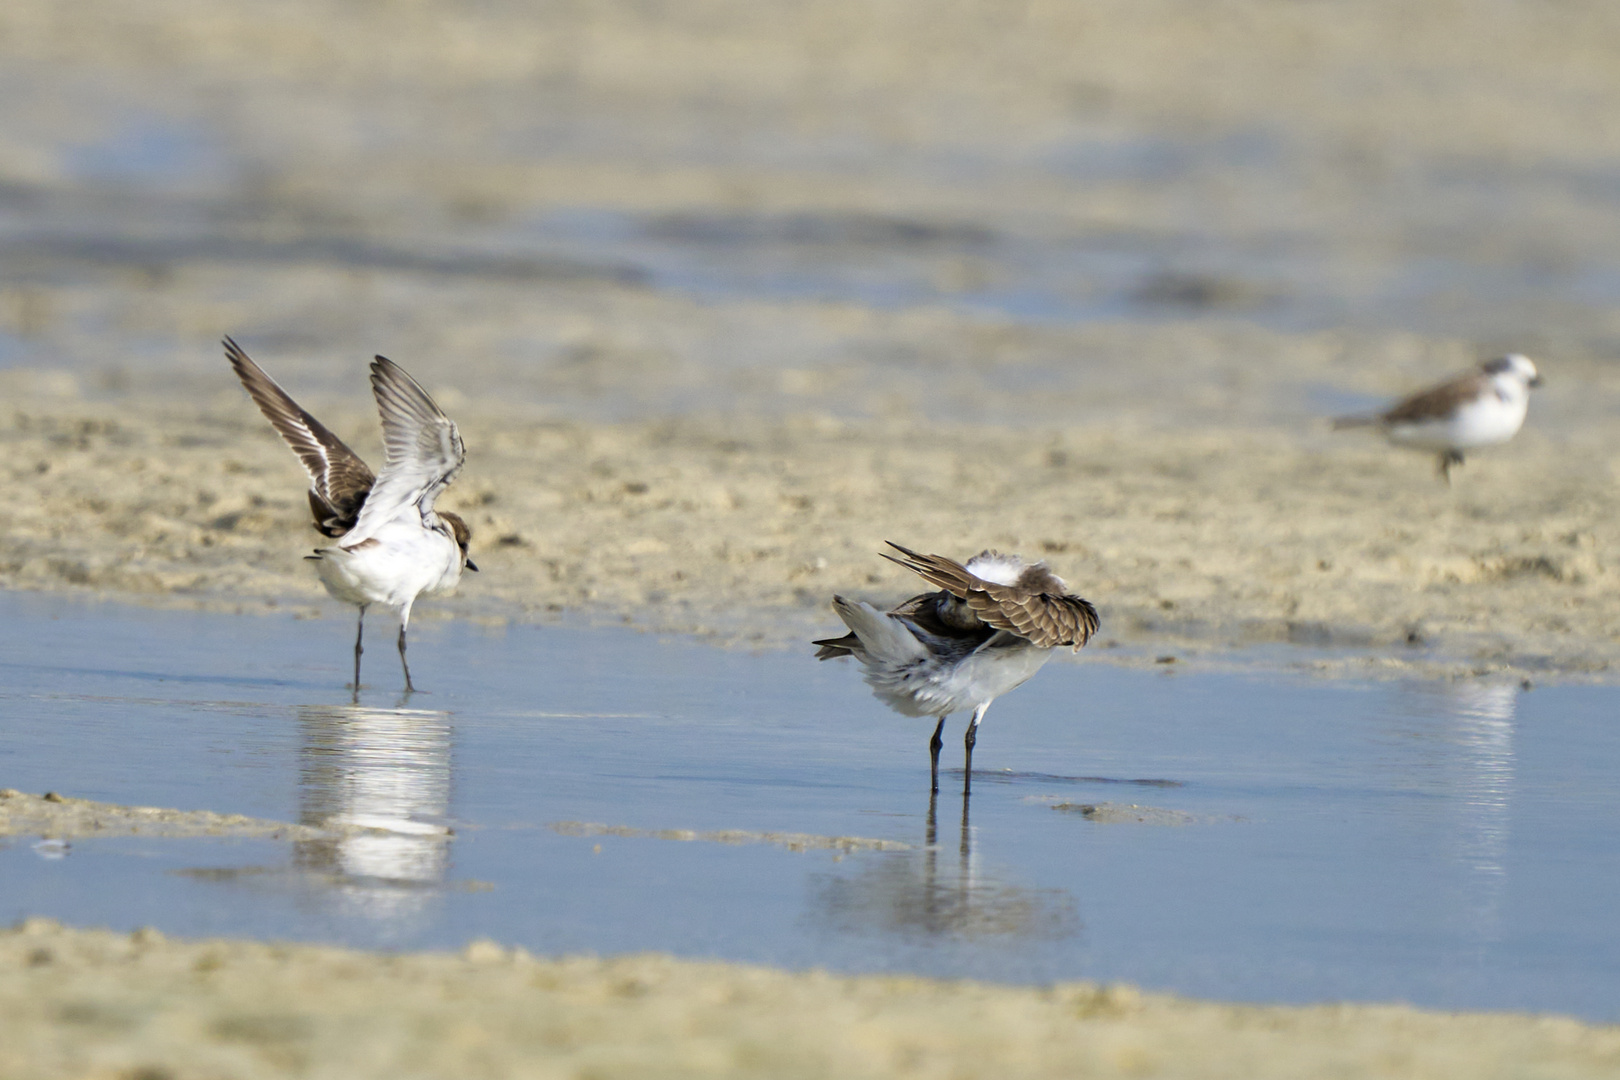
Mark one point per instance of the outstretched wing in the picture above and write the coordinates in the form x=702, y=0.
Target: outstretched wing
x=1044, y=618
x=422, y=450
x=338, y=480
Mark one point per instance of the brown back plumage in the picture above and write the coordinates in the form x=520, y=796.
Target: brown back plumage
x=1036, y=607
x=1436, y=402
x=338, y=480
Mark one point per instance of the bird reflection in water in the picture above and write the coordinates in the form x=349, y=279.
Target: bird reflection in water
x=930, y=894
x=1480, y=723
x=386, y=771
x=1472, y=763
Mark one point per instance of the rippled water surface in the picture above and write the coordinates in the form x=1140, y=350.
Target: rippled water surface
x=602, y=790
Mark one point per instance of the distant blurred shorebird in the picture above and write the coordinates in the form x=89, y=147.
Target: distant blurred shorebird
x=1483, y=408
x=991, y=626
x=392, y=545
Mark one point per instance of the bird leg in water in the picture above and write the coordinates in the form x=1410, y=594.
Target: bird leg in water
x=933, y=753
x=359, y=632
x=968, y=742
x=409, y=689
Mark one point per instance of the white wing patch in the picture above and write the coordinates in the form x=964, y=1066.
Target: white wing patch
x=996, y=569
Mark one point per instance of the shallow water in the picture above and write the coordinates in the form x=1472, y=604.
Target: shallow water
x=1447, y=845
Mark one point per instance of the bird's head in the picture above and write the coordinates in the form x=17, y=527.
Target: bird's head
x=463, y=535
x=1514, y=365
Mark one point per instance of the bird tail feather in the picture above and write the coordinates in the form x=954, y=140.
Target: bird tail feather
x=883, y=637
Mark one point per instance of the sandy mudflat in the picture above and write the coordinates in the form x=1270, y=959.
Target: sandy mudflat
x=77, y=1003
x=1425, y=186
x=1200, y=540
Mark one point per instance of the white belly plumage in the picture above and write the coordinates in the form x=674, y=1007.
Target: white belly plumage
x=398, y=563
x=1486, y=422
x=932, y=686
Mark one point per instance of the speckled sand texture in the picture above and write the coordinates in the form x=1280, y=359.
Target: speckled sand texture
x=1196, y=539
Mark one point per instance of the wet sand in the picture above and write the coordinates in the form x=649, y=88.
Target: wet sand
x=94, y=1003
x=55, y=816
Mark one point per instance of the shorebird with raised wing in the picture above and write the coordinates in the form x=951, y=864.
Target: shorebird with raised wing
x=391, y=544
x=994, y=621
x=1482, y=408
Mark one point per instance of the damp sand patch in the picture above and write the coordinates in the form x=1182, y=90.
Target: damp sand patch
x=791, y=841
x=1108, y=813
x=59, y=817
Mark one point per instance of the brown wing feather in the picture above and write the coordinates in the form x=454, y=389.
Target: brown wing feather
x=339, y=480
x=937, y=570
x=1436, y=402
x=1046, y=619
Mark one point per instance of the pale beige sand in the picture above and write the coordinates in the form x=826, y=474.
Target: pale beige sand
x=83, y=1004
x=1200, y=539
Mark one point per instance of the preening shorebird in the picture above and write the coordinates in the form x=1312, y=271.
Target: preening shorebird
x=391, y=544
x=994, y=621
x=1482, y=408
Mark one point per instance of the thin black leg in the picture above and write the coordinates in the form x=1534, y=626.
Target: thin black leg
x=968, y=740
x=359, y=632
x=1447, y=460
x=934, y=745
x=409, y=689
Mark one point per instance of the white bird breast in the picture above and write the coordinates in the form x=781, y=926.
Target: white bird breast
x=401, y=561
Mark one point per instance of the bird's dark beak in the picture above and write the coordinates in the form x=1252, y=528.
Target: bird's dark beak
x=1535, y=381
x=472, y=566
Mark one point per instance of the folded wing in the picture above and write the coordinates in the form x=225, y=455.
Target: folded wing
x=1437, y=402
x=1043, y=617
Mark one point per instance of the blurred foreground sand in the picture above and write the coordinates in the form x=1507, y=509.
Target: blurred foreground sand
x=79, y=1003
